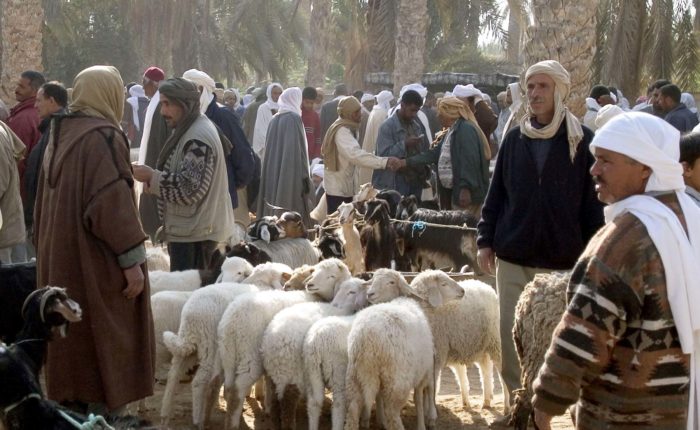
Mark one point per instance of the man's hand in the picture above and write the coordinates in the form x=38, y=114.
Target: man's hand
x=394, y=163
x=465, y=197
x=487, y=260
x=142, y=173
x=134, y=281
x=542, y=420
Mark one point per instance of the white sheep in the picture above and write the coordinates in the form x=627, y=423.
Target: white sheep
x=241, y=330
x=292, y=252
x=166, y=307
x=325, y=353
x=300, y=275
x=234, y=269
x=387, y=356
x=351, y=236
x=157, y=259
x=282, y=348
x=197, y=333
x=464, y=331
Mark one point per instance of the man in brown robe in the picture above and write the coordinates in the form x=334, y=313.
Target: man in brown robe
x=89, y=240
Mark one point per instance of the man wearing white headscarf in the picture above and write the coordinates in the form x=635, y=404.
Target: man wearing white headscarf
x=139, y=103
x=379, y=114
x=487, y=120
x=285, y=181
x=367, y=101
x=264, y=117
x=541, y=208
x=517, y=109
x=423, y=92
x=505, y=100
x=627, y=349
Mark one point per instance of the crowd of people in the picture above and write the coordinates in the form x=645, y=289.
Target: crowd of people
x=90, y=172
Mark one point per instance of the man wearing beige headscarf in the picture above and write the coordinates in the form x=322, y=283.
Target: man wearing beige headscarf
x=89, y=240
x=541, y=208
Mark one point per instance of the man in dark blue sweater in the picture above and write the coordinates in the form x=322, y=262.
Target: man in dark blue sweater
x=541, y=208
x=676, y=113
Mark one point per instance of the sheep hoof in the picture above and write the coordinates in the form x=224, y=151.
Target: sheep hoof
x=486, y=404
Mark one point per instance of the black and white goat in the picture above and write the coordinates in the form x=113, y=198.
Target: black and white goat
x=437, y=239
x=265, y=228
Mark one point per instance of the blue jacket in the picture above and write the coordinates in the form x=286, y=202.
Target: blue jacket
x=540, y=220
x=682, y=118
x=240, y=163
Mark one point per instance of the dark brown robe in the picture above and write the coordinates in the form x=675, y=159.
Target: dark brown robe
x=85, y=217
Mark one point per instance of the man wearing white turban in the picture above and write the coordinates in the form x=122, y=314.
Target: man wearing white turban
x=541, y=208
x=627, y=349
x=264, y=116
x=476, y=100
x=377, y=116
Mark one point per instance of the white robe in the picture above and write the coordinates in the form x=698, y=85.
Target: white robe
x=369, y=144
x=262, y=123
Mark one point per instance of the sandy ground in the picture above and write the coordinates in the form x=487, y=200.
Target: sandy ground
x=451, y=415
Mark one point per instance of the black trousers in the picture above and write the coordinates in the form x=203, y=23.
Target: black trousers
x=190, y=255
x=332, y=202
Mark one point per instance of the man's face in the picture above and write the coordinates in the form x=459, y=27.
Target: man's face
x=149, y=87
x=691, y=174
x=230, y=100
x=307, y=104
x=540, y=94
x=356, y=116
x=171, y=111
x=664, y=103
x=617, y=176
x=408, y=111
x=275, y=93
x=45, y=105
x=605, y=100
x=24, y=90
x=655, y=102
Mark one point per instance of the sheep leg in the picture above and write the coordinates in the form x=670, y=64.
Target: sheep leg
x=418, y=401
x=393, y=402
x=338, y=387
x=260, y=390
x=201, y=388
x=173, y=380
x=290, y=401
x=213, y=396
x=236, y=387
x=506, y=393
x=486, y=370
x=430, y=405
x=366, y=415
x=275, y=404
x=354, y=402
x=314, y=398
x=460, y=372
x=269, y=394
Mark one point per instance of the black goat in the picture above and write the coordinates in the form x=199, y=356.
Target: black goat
x=17, y=281
x=330, y=246
x=378, y=237
x=392, y=198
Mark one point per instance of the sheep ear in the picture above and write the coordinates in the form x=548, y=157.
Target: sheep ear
x=404, y=288
x=220, y=278
x=286, y=276
x=435, y=297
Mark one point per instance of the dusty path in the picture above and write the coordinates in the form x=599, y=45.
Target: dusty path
x=451, y=416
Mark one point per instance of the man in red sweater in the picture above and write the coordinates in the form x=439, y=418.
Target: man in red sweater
x=312, y=122
x=24, y=117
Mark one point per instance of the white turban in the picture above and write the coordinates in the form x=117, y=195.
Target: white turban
x=466, y=91
x=366, y=97
x=384, y=99
x=135, y=92
x=208, y=85
x=562, y=85
x=317, y=170
x=655, y=143
x=516, y=96
x=290, y=101
x=689, y=101
x=420, y=89
x=606, y=113
x=272, y=104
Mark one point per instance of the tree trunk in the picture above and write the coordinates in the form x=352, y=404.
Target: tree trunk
x=565, y=32
x=623, y=65
x=318, y=58
x=411, y=27
x=21, y=24
x=515, y=21
x=184, y=48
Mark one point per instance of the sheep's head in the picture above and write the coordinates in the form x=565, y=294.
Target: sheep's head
x=406, y=207
x=291, y=224
x=346, y=213
x=299, y=278
x=367, y=192
x=51, y=308
x=235, y=269
x=376, y=210
x=436, y=288
x=386, y=285
x=331, y=246
x=269, y=275
x=351, y=296
x=327, y=277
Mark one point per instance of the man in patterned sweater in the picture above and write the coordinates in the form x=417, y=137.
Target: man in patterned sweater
x=190, y=179
x=625, y=347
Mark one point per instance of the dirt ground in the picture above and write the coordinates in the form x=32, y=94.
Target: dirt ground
x=451, y=415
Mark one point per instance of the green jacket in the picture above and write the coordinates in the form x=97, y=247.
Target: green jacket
x=470, y=168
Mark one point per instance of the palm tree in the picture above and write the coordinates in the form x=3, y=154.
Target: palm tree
x=516, y=22
x=319, y=28
x=21, y=33
x=565, y=31
x=411, y=28
x=623, y=62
